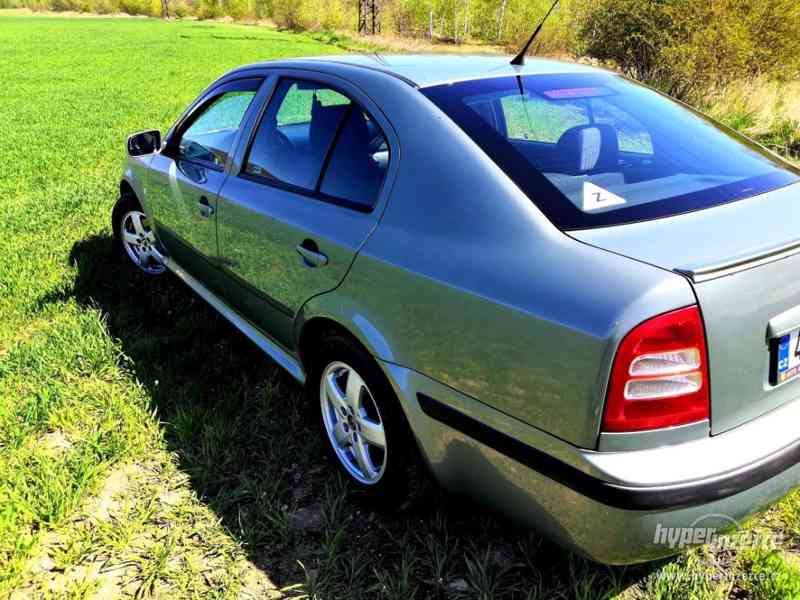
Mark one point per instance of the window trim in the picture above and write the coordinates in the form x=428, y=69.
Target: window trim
x=171, y=147
x=326, y=160
x=296, y=189
x=314, y=194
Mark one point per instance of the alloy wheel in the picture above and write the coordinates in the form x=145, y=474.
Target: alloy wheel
x=353, y=423
x=139, y=241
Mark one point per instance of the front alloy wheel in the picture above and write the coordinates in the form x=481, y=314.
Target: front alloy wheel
x=353, y=423
x=139, y=241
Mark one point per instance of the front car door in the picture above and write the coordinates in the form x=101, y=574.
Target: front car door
x=308, y=192
x=186, y=176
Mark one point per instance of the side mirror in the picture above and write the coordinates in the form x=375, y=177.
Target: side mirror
x=144, y=142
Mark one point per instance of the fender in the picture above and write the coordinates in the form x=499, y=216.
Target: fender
x=337, y=306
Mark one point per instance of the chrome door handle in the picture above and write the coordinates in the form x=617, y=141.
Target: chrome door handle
x=206, y=210
x=310, y=254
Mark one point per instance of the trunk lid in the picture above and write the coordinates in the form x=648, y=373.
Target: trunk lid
x=743, y=261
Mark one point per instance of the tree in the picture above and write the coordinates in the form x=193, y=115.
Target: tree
x=501, y=19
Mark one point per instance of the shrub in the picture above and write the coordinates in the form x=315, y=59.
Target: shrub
x=685, y=47
x=522, y=17
x=238, y=9
x=37, y=4
x=180, y=9
x=262, y=9
x=328, y=15
x=104, y=7
x=135, y=7
x=287, y=14
x=209, y=9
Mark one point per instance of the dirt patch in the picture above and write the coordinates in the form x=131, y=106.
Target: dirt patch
x=256, y=584
x=103, y=505
x=54, y=442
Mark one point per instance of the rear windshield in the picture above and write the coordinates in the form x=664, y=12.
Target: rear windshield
x=594, y=150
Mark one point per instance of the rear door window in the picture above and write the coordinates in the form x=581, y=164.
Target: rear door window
x=358, y=162
x=317, y=140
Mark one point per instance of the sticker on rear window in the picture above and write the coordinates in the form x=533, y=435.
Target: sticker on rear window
x=596, y=198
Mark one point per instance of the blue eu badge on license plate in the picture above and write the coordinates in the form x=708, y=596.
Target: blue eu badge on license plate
x=787, y=357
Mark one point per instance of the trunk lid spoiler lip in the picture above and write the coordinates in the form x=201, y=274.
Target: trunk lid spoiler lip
x=784, y=323
x=752, y=259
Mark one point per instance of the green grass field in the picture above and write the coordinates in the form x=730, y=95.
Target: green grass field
x=147, y=449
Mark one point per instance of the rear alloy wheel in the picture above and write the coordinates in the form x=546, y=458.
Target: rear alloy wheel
x=361, y=421
x=353, y=423
x=137, y=238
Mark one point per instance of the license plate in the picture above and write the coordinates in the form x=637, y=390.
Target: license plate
x=785, y=357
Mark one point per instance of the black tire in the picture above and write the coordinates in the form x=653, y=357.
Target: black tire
x=402, y=476
x=128, y=202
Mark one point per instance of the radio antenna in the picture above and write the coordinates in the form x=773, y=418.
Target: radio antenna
x=519, y=59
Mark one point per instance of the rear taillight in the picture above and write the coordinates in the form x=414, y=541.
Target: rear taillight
x=660, y=375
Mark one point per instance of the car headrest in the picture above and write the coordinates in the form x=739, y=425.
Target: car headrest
x=587, y=148
x=269, y=129
x=355, y=135
x=324, y=121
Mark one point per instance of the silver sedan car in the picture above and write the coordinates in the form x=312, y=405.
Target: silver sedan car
x=562, y=292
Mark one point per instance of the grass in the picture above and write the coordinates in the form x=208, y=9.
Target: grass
x=766, y=110
x=147, y=449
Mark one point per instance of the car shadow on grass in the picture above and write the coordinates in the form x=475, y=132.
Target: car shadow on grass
x=237, y=423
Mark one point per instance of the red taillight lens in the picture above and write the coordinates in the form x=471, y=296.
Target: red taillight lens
x=660, y=374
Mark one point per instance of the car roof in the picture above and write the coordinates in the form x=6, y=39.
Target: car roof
x=431, y=69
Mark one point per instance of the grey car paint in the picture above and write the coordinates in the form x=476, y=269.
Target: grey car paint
x=260, y=228
x=466, y=293
x=745, y=286
x=175, y=189
x=602, y=532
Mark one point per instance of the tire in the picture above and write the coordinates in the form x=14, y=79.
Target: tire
x=337, y=357
x=129, y=217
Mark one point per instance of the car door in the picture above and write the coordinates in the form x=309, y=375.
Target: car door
x=186, y=176
x=307, y=194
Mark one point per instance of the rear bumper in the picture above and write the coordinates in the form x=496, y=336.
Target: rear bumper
x=613, y=507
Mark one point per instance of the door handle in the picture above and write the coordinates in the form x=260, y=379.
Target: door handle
x=309, y=252
x=206, y=210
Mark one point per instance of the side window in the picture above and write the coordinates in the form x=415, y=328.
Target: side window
x=315, y=138
x=632, y=135
x=358, y=163
x=538, y=120
x=210, y=136
x=299, y=102
x=296, y=133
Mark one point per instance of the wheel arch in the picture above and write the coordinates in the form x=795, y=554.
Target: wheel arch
x=338, y=310
x=126, y=190
x=310, y=324
x=310, y=330
x=132, y=179
x=125, y=187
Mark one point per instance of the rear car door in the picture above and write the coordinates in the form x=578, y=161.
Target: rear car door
x=309, y=189
x=186, y=176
